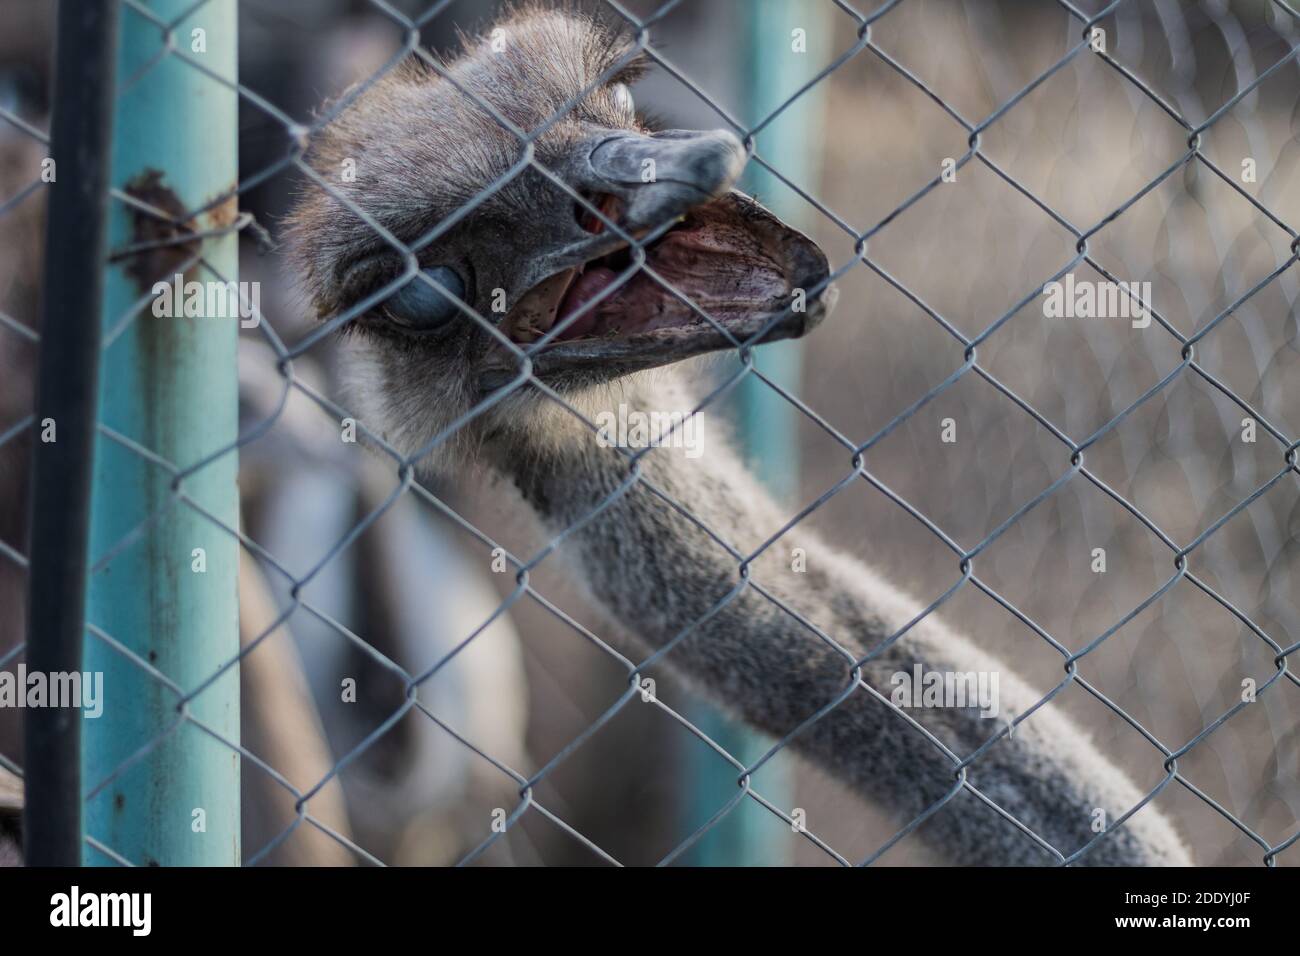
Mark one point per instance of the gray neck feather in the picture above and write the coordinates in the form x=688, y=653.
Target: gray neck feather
x=767, y=654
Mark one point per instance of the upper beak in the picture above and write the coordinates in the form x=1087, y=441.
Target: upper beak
x=659, y=176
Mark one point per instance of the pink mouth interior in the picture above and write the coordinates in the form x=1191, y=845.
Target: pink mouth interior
x=585, y=288
x=719, y=265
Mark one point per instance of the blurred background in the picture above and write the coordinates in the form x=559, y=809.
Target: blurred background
x=857, y=145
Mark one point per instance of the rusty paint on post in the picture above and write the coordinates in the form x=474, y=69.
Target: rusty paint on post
x=169, y=253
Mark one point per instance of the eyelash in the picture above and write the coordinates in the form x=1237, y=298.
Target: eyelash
x=623, y=97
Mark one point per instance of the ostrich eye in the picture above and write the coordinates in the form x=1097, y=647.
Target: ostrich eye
x=421, y=307
x=623, y=99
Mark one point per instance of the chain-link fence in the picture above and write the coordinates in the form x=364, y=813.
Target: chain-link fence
x=462, y=744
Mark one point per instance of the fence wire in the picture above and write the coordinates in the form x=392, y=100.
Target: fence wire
x=300, y=135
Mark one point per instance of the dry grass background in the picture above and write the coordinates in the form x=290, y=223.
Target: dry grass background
x=1084, y=143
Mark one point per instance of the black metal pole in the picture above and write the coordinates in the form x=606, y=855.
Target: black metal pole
x=67, y=394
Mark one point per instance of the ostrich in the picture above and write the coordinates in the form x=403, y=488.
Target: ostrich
x=602, y=332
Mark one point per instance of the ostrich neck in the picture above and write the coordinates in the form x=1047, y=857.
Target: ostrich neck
x=786, y=640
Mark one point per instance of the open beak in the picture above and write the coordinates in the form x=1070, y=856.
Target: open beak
x=710, y=269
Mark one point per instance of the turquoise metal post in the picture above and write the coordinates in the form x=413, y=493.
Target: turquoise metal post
x=169, y=384
x=775, y=70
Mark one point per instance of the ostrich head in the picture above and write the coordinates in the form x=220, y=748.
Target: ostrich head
x=550, y=270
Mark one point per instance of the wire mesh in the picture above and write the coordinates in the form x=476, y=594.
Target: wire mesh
x=1073, y=448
